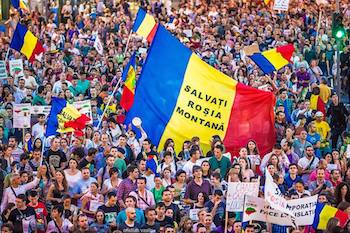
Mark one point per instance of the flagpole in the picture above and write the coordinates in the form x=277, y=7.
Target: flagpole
x=109, y=101
x=116, y=86
x=42, y=151
x=7, y=54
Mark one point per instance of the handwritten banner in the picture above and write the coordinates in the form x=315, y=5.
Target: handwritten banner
x=236, y=192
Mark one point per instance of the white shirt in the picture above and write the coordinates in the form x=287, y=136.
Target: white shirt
x=30, y=82
x=188, y=167
x=38, y=130
x=73, y=180
x=10, y=197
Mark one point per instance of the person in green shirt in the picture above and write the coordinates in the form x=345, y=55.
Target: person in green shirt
x=119, y=154
x=39, y=97
x=74, y=89
x=83, y=84
x=158, y=189
x=218, y=162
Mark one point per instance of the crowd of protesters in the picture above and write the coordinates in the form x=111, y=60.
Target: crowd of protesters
x=102, y=182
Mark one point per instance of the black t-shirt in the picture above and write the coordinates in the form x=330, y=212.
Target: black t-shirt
x=127, y=229
x=166, y=221
x=151, y=228
x=110, y=212
x=55, y=158
x=84, y=163
x=23, y=220
x=176, y=211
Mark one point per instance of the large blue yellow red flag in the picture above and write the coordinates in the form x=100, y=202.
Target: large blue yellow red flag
x=145, y=25
x=25, y=42
x=64, y=118
x=273, y=59
x=180, y=96
x=325, y=212
x=19, y=5
x=129, y=78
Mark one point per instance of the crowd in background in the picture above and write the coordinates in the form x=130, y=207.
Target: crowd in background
x=103, y=182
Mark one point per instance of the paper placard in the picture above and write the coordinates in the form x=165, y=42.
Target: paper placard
x=84, y=107
x=3, y=71
x=40, y=110
x=94, y=205
x=281, y=5
x=16, y=68
x=21, y=116
x=236, y=192
x=194, y=214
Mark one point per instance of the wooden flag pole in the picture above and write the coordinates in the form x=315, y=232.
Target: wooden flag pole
x=226, y=212
x=116, y=86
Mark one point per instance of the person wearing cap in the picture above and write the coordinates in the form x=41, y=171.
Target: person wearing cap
x=216, y=206
x=74, y=89
x=119, y=162
x=323, y=128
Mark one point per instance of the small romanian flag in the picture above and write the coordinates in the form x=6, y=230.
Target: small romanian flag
x=64, y=118
x=25, y=42
x=19, y=4
x=145, y=25
x=273, y=59
x=129, y=78
x=324, y=212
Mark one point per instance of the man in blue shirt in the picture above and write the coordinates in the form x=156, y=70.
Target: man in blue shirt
x=292, y=177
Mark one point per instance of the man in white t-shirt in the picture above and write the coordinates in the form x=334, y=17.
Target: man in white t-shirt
x=307, y=163
x=195, y=155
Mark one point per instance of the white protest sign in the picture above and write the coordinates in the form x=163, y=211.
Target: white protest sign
x=3, y=71
x=281, y=5
x=16, y=68
x=21, y=116
x=273, y=195
x=40, y=109
x=84, y=107
x=303, y=209
x=257, y=209
x=236, y=192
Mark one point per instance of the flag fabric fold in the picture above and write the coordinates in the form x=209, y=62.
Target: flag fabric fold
x=325, y=212
x=25, y=42
x=180, y=96
x=273, y=59
x=64, y=118
x=129, y=78
x=19, y=5
x=145, y=25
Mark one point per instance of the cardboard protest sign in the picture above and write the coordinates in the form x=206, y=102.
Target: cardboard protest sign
x=236, y=192
x=21, y=116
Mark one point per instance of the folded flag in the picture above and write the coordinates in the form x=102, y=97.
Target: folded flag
x=129, y=78
x=98, y=45
x=152, y=163
x=64, y=118
x=325, y=212
x=145, y=25
x=25, y=42
x=19, y=4
x=273, y=59
x=180, y=96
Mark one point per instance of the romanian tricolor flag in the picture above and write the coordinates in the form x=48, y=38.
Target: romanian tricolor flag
x=145, y=25
x=25, y=42
x=19, y=5
x=273, y=59
x=324, y=212
x=180, y=96
x=129, y=78
x=64, y=118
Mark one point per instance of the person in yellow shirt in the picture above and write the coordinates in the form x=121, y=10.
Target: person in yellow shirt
x=324, y=130
x=325, y=91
